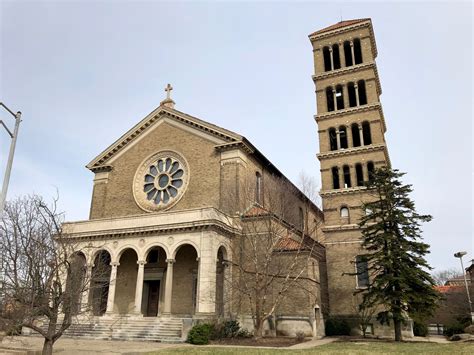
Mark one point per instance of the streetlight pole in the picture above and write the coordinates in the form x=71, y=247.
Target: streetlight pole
x=8, y=170
x=459, y=255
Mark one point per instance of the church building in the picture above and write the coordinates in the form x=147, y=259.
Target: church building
x=173, y=195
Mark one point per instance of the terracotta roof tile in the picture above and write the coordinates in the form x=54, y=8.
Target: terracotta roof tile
x=339, y=25
x=288, y=244
x=255, y=211
x=445, y=289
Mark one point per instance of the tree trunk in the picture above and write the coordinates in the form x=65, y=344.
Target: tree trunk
x=47, y=347
x=398, y=329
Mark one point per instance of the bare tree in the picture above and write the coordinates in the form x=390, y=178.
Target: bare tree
x=274, y=255
x=441, y=276
x=44, y=275
x=364, y=315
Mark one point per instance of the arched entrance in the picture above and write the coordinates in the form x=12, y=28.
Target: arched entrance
x=153, y=290
x=126, y=282
x=185, y=279
x=99, y=284
x=220, y=280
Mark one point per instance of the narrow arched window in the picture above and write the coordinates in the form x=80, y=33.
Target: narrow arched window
x=351, y=90
x=330, y=99
x=258, y=187
x=344, y=212
x=355, y=135
x=366, y=133
x=347, y=176
x=348, y=53
x=362, y=271
x=335, y=56
x=359, y=175
x=362, y=92
x=327, y=59
x=370, y=170
x=332, y=139
x=335, y=177
x=357, y=51
x=339, y=97
x=343, y=137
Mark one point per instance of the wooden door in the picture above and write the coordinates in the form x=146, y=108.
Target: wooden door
x=153, y=298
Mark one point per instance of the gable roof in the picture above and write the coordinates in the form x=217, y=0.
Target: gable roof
x=339, y=25
x=100, y=161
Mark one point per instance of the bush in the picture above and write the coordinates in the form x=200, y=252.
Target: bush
x=420, y=329
x=336, y=326
x=300, y=336
x=200, y=334
x=454, y=328
x=231, y=329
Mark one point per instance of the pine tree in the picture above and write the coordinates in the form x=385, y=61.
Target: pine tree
x=400, y=283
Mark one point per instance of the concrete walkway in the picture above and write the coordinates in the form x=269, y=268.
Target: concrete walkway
x=32, y=346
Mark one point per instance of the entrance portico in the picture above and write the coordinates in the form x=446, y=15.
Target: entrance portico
x=157, y=275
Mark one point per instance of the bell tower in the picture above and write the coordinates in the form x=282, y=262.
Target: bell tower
x=351, y=129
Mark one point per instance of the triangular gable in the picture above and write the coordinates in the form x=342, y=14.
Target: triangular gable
x=148, y=122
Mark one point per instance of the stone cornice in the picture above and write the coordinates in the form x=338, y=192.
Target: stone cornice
x=149, y=120
x=351, y=151
x=349, y=70
x=352, y=110
x=235, y=145
x=342, y=227
x=347, y=191
x=153, y=223
x=345, y=29
x=101, y=168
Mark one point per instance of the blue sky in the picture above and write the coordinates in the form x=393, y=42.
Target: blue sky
x=84, y=72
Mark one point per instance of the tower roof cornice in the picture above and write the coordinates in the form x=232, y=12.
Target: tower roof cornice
x=346, y=26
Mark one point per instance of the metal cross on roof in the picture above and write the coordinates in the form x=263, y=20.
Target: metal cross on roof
x=168, y=91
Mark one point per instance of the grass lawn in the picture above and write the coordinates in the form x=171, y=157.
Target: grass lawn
x=340, y=348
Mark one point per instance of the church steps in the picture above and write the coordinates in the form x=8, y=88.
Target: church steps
x=127, y=328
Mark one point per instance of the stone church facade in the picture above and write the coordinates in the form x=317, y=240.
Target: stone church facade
x=162, y=230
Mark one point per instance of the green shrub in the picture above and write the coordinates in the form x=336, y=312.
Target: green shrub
x=231, y=329
x=454, y=328
x=420, y=329
x=201, y=333
x=336, y=326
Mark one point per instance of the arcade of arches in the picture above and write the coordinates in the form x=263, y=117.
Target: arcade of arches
x=151, y=284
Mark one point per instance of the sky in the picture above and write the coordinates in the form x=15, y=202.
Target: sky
x=84, y=72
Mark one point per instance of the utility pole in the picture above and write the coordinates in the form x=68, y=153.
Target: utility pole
x=8, y=170
x=459, y=255
x=6, y=180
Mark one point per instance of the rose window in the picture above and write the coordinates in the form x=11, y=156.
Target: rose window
x=163, y=181
x=160, y=181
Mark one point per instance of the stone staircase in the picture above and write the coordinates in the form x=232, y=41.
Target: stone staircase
x=127, y=328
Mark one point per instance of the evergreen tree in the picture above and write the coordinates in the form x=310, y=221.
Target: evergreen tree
x=400, y=283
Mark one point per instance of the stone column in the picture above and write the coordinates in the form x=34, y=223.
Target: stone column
x=112, y=284
x=352, y=53
x=332, y=58
x=206, y=304
x=341, y=178
x=168, y=287
x=342, y=55
x=365, y=172
x=345, y=95
x=139, y=286
x=88, y=285
x=334, y=97
x=361, y=135
x=356, y=90
x=350, y=141
x=338, y=139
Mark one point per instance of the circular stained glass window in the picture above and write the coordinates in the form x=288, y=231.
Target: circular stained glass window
x=163, y=180
x=160, y=181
